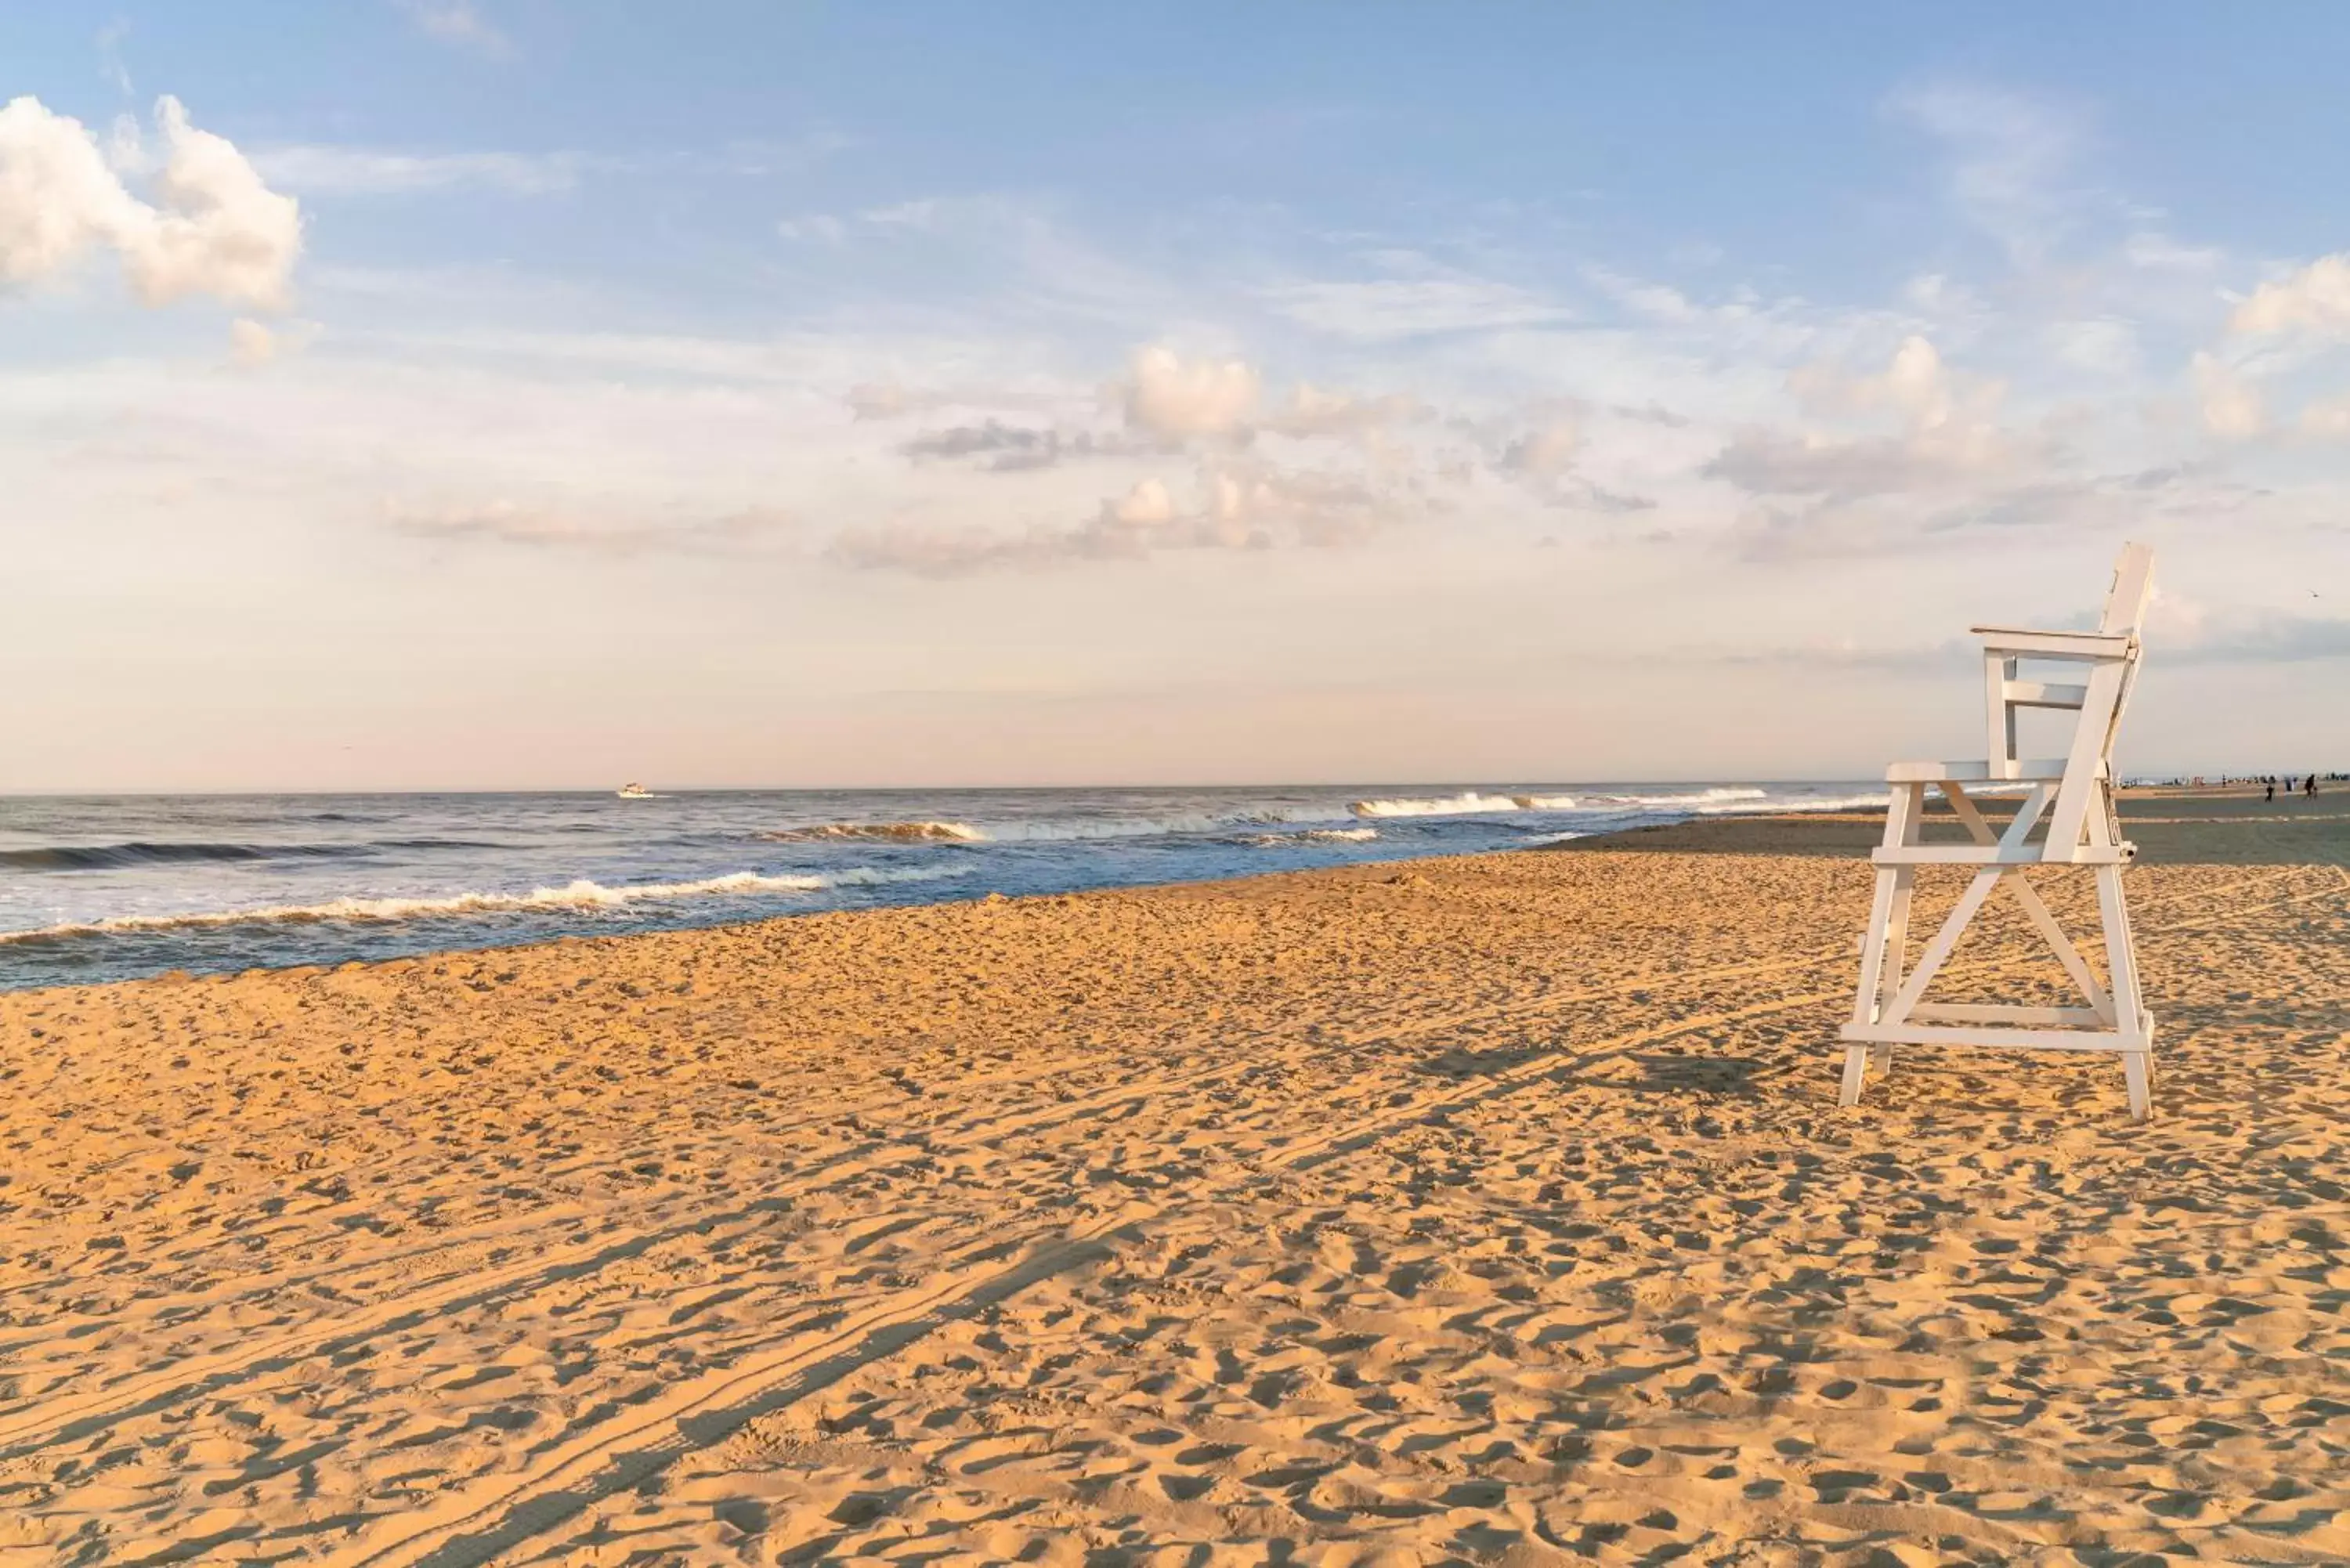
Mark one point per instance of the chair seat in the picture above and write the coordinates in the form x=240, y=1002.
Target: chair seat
x=2032, y=770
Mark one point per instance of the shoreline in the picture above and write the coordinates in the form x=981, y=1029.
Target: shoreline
x=98, y=890
x=1432, y=1208
x=2171, y=823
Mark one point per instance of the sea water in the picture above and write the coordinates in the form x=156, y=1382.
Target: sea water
x=109, y=888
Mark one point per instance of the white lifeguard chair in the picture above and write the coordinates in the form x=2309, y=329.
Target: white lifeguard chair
x=2075, y=793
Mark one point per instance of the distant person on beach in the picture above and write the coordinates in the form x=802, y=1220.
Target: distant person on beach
x=2309, y=786
x=2271, y=794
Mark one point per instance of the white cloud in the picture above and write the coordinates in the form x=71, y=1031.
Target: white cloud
x=2316, y=297
x=58, y=197
x=504, y=521
x=814, y=228
x=1656, y=301
x=1126, y=528
x=220, y=231
x=250, y=343
x=1147, y=505
x=992, y=446
x=326, y=170
x=1242, y=506
x=2009, y=156
x=922, y=215
x=1318, y=508
x=2270, y=638
x=1948, y=441
x=2328, y=420
x=1175, y=400
x=1948, y=459
x=2175, y=614
x=1410, y=308
x=1915, y=385
x=2154, y=252
x=1937, y=295
x=456, y=21
x=109, y=55
x=216, y=227
x=2230, y=405
x=882, y=400
x=1312, y=411
x=2105, y=345
x=1547, y=451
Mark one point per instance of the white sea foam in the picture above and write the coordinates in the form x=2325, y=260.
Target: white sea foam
x=1685, y=800
x=909, y=832
x=1090, y=830
x=1312, y=834
x=1466, y=805
x=1777, y=804
x=579, y=895
x=1546, y=802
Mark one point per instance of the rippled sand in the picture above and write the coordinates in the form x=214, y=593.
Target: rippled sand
x=1495, y=1207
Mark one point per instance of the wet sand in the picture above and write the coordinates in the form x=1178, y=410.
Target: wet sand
x=1494, y=1209
x=2231, y=827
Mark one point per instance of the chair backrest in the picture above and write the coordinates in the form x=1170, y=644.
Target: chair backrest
x=2130, y=594
x=2126, y=601
x=2108, y=659
x=2128, y=597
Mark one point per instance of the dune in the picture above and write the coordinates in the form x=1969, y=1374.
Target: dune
x=1495, y=1207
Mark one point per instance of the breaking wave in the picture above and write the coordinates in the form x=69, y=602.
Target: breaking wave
x=898, y=832
x=1718, y=800
x=579, y=895
x=1466, y=805
x=1787, y=803
x=1686, y=799
x=1313, y=835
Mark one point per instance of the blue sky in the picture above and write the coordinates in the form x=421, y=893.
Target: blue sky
x=513, y=393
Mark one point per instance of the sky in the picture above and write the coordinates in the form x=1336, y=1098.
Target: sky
x=514, y=394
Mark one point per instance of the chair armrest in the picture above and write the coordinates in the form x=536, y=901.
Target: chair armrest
x=2083, y=645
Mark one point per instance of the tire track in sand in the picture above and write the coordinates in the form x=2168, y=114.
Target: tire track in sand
x=43, y=1421
x=496, y=1513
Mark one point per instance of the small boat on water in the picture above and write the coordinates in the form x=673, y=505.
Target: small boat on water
x=633, y=791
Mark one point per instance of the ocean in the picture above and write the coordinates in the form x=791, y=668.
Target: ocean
x=111, y=888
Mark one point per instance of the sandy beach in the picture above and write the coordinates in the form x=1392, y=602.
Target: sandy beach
x=1486, y=1208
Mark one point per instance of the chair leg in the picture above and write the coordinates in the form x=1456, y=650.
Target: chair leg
x=1895, y=954
x=2128, y=998
x=1873, y=947
x=1885, y=944
x=1855, y=1065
